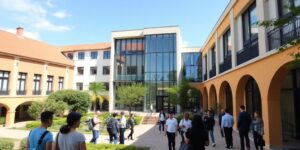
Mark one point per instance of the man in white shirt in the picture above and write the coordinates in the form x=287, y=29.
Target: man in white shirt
x=171, y=130
x=227, y=124
x=122, y=127
x=184, y=125
x=96, y=128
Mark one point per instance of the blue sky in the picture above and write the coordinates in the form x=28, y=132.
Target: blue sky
x=65, y=22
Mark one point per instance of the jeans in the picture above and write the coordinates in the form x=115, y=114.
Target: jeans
x=182, y=136
x=257, y=137
x=211, y=134
x=122, y=130
x=244, y=135
x=113, y=137
x=131, y=133
x=228, y=136
x=95, y=136
x=161, y=125
x=171, y=140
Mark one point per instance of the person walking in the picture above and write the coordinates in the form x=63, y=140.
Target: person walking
x=122, y=127
x=258, y=131
x=130, y=122
x=112, y=127
x=209, y=124
x=244, y=123
x=162, y=120
x=227, y=124
x=171, y=130
x=68, y=138
x=196, y=136
x=96, y=128
x=184, y=125
x=40, y=138
x=222, y=113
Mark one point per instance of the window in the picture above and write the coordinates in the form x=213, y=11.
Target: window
x=213, y=58
x=250, y=29
x=60, y=83
x=49, y=84
x=106, y=84
x=70, y=56
x=227, y=44
x=106, y=70
x=80, y=70
x=4, y=77
x=36, y=84
x=21, y=84
x=106, y=55
x=192, y=66
x=79, y=86
x=81, y=56
x=131, y=70
x=93, y=70
x=284, y=6
x=94, y=55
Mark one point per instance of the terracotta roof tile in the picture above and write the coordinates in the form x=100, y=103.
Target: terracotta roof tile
x=24, y=47
x=86, y=47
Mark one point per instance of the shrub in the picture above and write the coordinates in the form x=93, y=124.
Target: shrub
x=57, y=107
x=2, y=120
x=35, y=109
x=76, y=100
x=114, y=147
x=23, y=144
x=6, y=144
x=33, y=124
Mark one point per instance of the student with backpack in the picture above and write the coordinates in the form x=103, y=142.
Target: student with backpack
x=40, y=138
x=130, y=125
x=95, y=123
x=112, y=127
x=209, y=121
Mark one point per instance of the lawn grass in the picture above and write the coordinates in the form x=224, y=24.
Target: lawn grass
x=114, y=147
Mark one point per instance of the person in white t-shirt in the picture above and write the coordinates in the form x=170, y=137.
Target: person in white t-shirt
x=96, y=128
x=171, y=130
x=184, y=125
x=122, y=127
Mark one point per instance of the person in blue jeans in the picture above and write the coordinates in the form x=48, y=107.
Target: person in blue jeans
x=96, y=128
x=39, y=138
x=209, y=121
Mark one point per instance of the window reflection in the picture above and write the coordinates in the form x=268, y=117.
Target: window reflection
x=192, y=66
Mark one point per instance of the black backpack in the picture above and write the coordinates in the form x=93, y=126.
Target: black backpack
x=91, y=124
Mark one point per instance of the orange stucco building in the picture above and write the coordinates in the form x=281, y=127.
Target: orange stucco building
x=242, y=66
x=29, y=71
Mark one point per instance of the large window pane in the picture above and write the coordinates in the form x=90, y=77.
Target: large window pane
x=159, y=62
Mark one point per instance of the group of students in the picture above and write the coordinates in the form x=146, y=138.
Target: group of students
x=68, y=138
x=195, y=133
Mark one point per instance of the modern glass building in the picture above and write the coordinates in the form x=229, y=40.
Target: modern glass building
x=149, y=56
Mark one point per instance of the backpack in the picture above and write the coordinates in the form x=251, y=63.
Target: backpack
x=128, y=125
x=91, y=124
x=110, y=123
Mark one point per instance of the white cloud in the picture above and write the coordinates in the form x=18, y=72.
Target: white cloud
x=32, y=13
x=184, y=44
x=49, y=3
x=61, y=14
x=32, y=35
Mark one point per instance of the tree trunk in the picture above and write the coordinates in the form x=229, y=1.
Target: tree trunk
x=129, y=106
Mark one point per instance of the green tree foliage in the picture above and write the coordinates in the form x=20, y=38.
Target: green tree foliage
x=130, y=95
x=174, y=95
x=35, y=109
x=184, y=88
x=76, y=100
x=57, y=107
x=96, y=88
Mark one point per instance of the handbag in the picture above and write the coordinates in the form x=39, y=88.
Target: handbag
x=184, y=146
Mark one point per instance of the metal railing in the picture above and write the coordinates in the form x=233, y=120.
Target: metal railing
x=226, y=65
x=4, y=92
x=39, y=92
x=129, y=77
x=212, y=72
x=23, y=92
x=283, y=35
x=49, y=92
x=249, y=51
x=204, y=77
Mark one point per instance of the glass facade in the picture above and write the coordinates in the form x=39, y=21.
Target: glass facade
x=192, y=66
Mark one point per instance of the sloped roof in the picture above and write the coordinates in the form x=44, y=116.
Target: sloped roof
x=21, y=46
x=86, y=47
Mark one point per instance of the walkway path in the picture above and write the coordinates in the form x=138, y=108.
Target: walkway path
x=144, y=135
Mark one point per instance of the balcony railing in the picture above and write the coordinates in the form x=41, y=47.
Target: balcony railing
x=283, y=35
x=4, y=92
x=21, y=92
x=36, y=92
x=249, y=51
x=129, y=77
x=204, y=77
x=212, y=72
x=226, y=65
x=48, y=92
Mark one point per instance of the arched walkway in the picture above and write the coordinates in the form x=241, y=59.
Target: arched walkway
x=3, y=114
x=205, y=99
x=212, y=101
x=225, y=98
x=21, y=112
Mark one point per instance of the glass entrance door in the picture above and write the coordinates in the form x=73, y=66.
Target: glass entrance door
x=162, y=102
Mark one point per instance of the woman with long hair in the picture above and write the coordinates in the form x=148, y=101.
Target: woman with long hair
x=258, y=130
x=68, y=138
x=197, y=136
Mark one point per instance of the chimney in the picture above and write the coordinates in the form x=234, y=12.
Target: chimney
x=20, y=31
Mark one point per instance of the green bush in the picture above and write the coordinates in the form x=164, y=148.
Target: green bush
x=76, y=100
x=57, y=107
x=6, y=144
x=2, y=120
x=23, y=144
x=138, y=120
x=114, y=147
x=35, y=109
x=33, y=124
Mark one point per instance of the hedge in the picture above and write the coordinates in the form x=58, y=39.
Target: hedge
x=6, y=144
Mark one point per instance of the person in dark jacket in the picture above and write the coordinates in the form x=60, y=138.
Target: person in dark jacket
x=197, y=136
x=162, y=120
x=131, y=126
x=258, y=131
x=222, y=113
x=244, y=123
x=209, y=121
x=113, y=129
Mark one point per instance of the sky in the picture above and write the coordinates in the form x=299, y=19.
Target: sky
x=67, y=22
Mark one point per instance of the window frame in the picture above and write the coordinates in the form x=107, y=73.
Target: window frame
x=106, y=54
x=94, y=55
x=91, y=71
x=247, y=13
x=2, y=78
x=80, y=74
x=60, y=83
x=36, y=81
x=21, y=90
x=226, y=37
x=49, y=82
x=81, y=55
x=104, y=72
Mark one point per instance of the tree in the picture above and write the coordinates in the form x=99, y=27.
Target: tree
x=96, y=88
x=57, y=107
x=174, y=95
x=130, y=95
x=290, y=18
x=76, y=100
x=184, y=88
x=35, y=109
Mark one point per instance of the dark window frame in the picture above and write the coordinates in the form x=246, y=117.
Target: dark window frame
x=105, y=70
x=60, y=83
x=81, y=55
x=2, y=78
x=94, y=55
x=79, y=73
x=21, y=90
x=106, y=54
x=49, y=84
x=37, y=81
x=93, y=70
x=226, y=50
x=248, y=14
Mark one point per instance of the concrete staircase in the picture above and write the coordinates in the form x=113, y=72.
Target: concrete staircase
x=151, y=118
